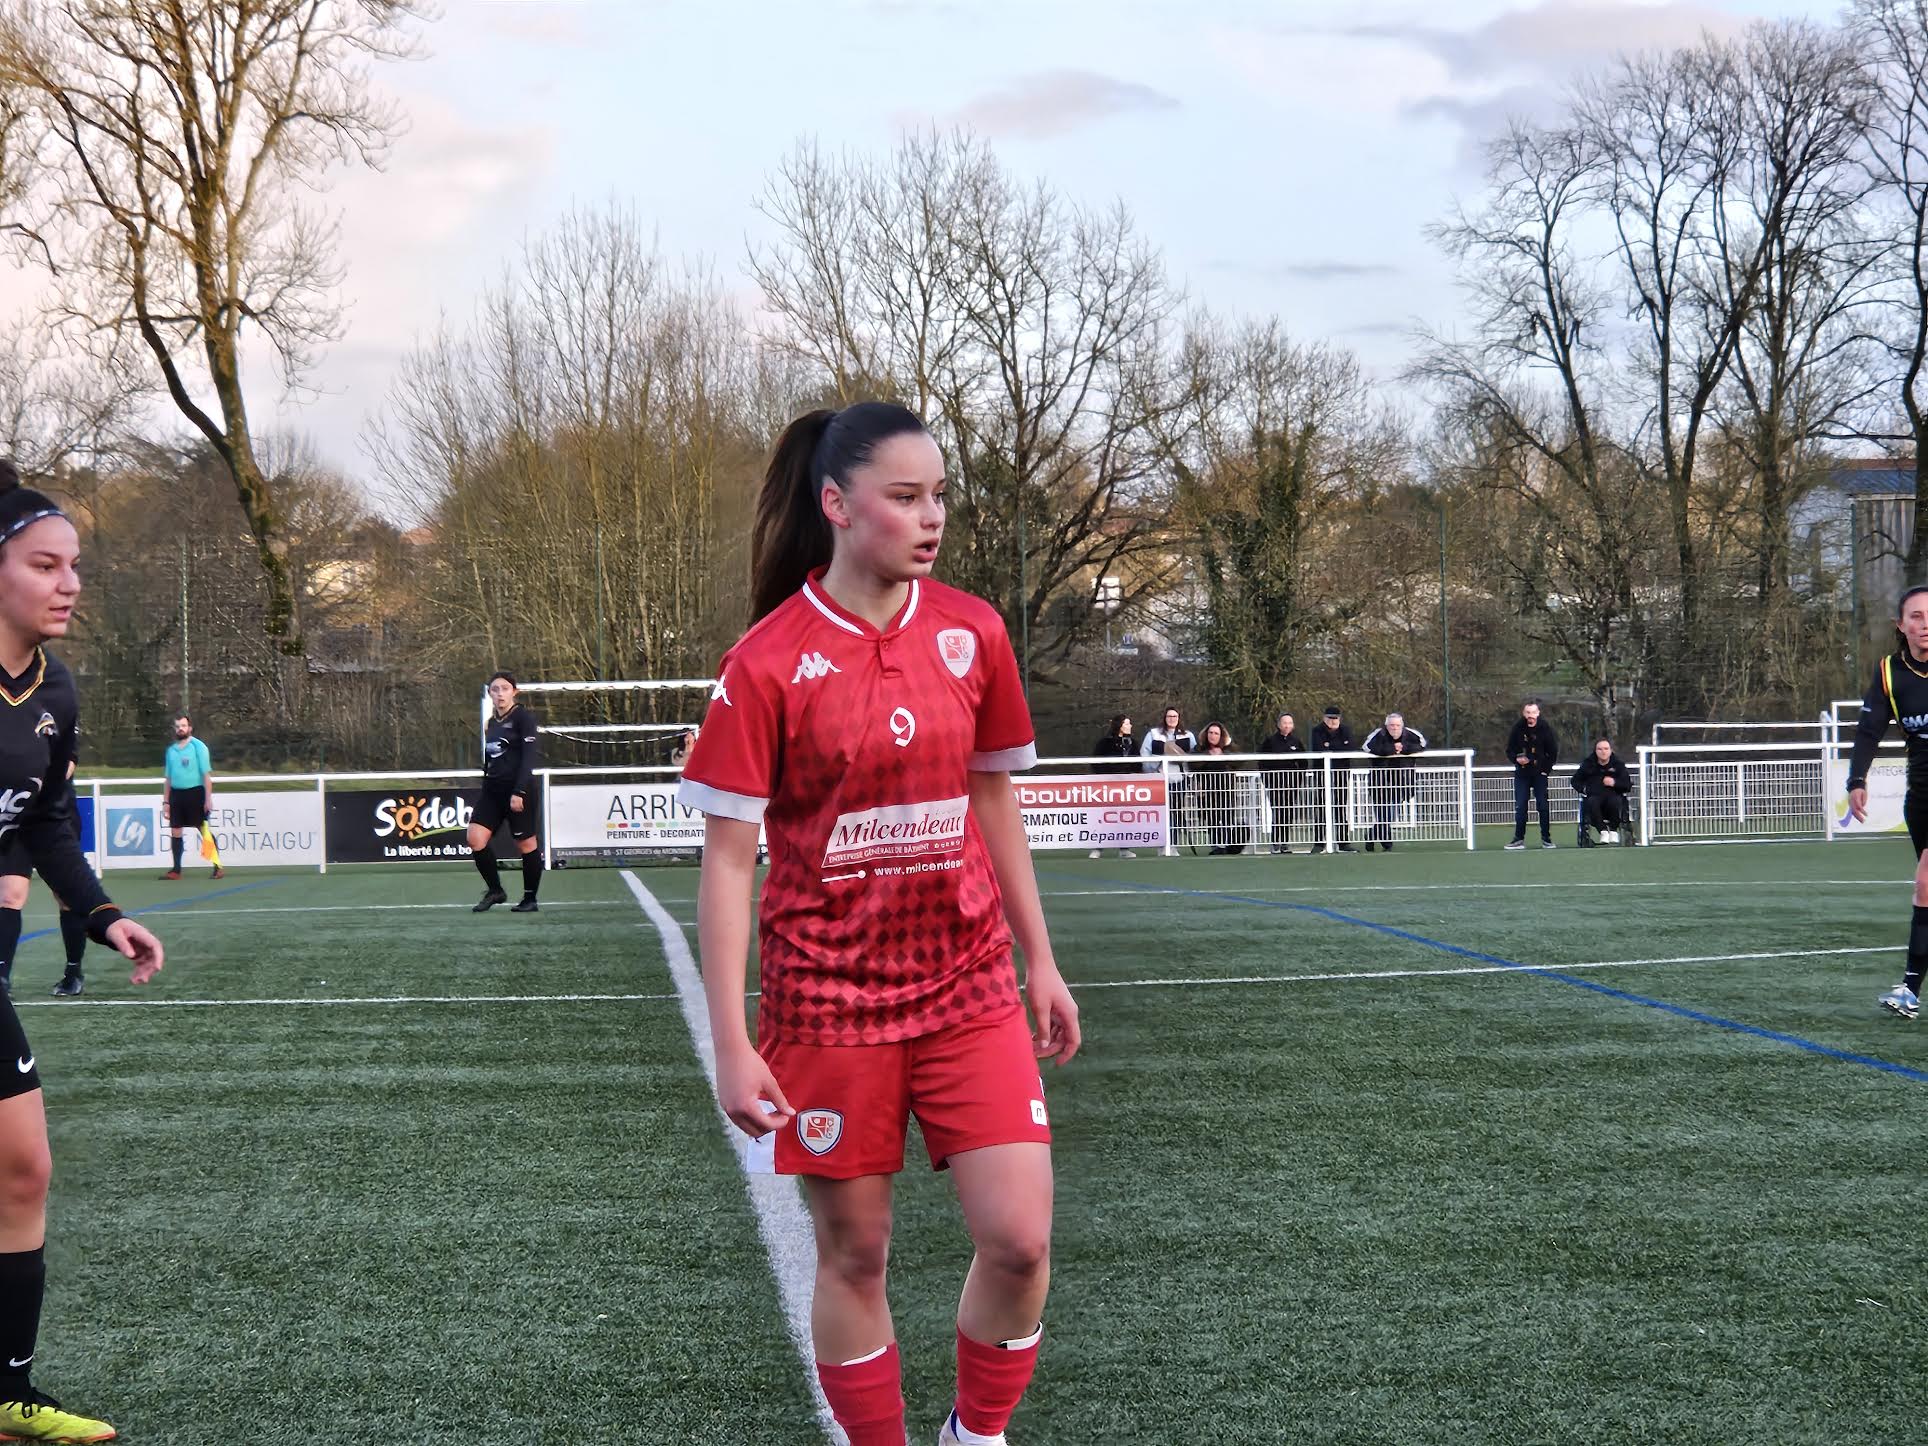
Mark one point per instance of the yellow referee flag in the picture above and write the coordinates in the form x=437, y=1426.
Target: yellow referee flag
x=208, y=850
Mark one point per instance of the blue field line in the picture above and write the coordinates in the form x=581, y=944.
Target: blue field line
x=1793, y=1041
x=168, y=904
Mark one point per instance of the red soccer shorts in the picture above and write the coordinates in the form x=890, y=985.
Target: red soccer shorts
x=971, y=1085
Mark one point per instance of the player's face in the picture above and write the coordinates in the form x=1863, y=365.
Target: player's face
x=502, y=694
x=890, y=512
x=1603, y=750
x=1914, y=624
x=39, y=579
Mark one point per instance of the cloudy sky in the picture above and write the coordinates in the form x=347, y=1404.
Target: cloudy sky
x=1287, y=156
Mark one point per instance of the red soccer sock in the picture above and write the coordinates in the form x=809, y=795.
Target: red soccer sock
x=867, y=1397
x=991, y=1380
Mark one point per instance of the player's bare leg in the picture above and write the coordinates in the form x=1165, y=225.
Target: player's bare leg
x=856, y=1344
x=1006, y=1192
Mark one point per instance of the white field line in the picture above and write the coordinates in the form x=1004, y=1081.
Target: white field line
x=1194, y=982
x=780, y=1214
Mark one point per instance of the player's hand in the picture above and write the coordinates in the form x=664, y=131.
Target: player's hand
x=1858, y=804
x=515, y=803
x=1055, y=1033
x=139, y=944
x=743, y=1084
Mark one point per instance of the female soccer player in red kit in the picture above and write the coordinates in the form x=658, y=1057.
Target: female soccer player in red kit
x=870, y=720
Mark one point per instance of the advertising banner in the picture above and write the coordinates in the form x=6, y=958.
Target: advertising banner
x=1887, y=787
x=252, y=830
x=1082, y=811
x=401, y=825
x=621, y=818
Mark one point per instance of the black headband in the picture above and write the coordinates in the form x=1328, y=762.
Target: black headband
x=21, y=508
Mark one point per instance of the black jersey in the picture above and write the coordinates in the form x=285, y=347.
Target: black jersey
x=510, y=751
x=39, y=732
x=1898, y=694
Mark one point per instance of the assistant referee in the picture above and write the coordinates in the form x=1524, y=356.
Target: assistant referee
x=190, y=788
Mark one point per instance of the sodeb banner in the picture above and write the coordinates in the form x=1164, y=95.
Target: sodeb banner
x=400, y=825
x=1079, y=811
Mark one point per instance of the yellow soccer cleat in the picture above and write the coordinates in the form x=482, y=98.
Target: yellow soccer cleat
x=39, y=1418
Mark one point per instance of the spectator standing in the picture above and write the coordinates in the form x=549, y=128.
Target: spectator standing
x=1604, y=786
x=1118, y=743
x=1392, y=785
x=1333, y=736
x=1171, y=739
x=1534, y=749
x=1216, y=790
x=1284, y=787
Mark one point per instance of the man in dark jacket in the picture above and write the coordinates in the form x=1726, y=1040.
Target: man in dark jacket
x=1605, y=788
x=1533, y=750
x=1332, y=736
x=1391, y=786
x=1284, y=787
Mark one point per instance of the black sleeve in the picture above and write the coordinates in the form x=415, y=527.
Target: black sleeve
x=1513, y=744
x=1552, y=749
x=1419, y=744
x=529, y=738
x=1875, y=717
x=53, y=842
x=1583, y=775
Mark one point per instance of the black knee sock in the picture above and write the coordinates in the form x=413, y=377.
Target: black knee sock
x=9, y=940
x=73, y=933
x=179, y=843
x=23, y=1281
x=1917, y=948
x=485, y=865
x=531, y=873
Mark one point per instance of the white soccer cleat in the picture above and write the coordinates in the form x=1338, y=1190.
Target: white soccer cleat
x=1901, y=1000
x=949, y=1437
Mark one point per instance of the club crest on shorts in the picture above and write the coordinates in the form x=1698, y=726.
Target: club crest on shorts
x=819, y=1130
x=957, y=647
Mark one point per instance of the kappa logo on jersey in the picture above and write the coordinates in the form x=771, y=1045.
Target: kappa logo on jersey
x=814, y=665
x=957, y=647
x=46, y=727
x=819, y=1130
x=720, y=693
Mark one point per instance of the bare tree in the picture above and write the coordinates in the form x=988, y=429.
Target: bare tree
x=1030, y=333
x=154, y=151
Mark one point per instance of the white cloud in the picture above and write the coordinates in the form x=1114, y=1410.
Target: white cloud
x=1053, y=102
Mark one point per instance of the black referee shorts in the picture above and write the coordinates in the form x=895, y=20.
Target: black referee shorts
x=187, y=807
x=493, y=808
x=17, y=1073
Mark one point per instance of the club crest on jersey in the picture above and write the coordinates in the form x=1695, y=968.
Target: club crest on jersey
x=46, y=727
x=819, y=1130
x=958, y=648
x=814, y=665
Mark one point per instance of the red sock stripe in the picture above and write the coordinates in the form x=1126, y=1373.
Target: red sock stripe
x=867, y=1398
x=990, y=1383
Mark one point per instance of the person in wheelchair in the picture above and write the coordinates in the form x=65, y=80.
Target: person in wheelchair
x=1605, y=790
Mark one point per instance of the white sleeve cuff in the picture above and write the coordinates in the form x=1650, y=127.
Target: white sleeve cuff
x=1006, y=760
x=701, y=798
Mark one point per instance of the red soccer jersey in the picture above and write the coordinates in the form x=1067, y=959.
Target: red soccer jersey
x=881, y=919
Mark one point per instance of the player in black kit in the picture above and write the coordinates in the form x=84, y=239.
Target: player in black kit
x=510, y=757
x=1899, y=694
x=38, y=720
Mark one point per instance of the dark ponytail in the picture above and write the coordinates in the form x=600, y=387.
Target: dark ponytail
x=792, y=536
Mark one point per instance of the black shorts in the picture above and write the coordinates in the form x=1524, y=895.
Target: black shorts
x=187, y=807
x=1915, y=811
x=493, y=808
x=16, y=862
x=15, y=1052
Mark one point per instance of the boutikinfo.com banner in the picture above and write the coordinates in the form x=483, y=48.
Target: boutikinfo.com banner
x=1079, y=811
x=252, y=830
x=621, y=818
x=374, y=825
x=1887, y=787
